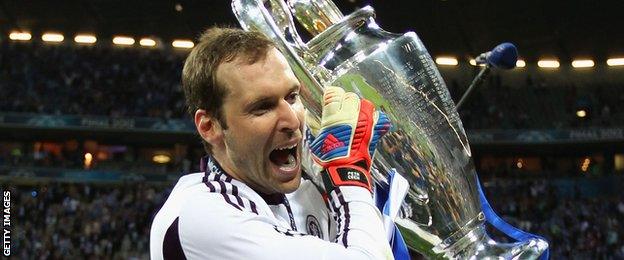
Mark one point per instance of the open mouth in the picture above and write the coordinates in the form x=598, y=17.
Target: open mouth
x=285, y=157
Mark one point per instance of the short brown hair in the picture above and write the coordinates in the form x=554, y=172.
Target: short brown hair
x=217, y=45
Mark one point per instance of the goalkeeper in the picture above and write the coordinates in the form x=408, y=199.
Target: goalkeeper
x=250, y=200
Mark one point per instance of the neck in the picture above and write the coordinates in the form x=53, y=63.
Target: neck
x=224, y=164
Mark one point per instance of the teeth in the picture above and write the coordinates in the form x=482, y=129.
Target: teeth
x=287, y=147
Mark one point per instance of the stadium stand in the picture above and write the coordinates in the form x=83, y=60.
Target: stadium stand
x=93, y=218
x=127, y=82
x=111, y=81
x=112, y=221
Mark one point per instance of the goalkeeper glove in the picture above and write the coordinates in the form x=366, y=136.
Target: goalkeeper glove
x=350, y=130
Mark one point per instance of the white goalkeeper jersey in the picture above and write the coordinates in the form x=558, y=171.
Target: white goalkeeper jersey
x=210, y=215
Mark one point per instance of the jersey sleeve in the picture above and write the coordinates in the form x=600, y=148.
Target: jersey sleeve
x=219, y=231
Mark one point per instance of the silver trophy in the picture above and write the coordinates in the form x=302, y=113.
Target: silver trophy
x=441, y=216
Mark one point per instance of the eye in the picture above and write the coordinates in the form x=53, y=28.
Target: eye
x=292, y=97
x=262, y=108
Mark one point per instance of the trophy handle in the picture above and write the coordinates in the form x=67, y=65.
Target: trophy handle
x=274, y=19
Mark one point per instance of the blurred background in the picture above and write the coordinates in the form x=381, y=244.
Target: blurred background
x=94, y=134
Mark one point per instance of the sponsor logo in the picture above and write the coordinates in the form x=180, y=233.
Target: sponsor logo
x=331, y=143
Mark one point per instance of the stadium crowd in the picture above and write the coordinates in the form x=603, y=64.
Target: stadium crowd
x=84, y=221
x=577, y=227
x=61, y=79
x=538, y=105
x=133, y=82
x=104, y=221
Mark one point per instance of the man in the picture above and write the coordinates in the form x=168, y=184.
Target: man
x=250, y=201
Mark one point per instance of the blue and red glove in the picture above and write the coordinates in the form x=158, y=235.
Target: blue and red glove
x=350, y=130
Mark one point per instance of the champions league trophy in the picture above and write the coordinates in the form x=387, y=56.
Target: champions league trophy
x=440, y=216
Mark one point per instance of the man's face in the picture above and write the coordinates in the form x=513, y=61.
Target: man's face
x=264, y=115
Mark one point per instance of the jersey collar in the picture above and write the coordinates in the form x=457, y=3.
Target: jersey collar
x=209, y=165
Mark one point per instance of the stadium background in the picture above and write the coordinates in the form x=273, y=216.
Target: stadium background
x=94, y=135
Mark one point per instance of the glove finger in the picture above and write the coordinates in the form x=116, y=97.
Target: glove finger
x=314, y=125
x=382, y=122
x=332, y=100
x=351, y=105
x=380, y=128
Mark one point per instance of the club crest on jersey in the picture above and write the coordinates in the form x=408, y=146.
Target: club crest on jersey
x=313, y=227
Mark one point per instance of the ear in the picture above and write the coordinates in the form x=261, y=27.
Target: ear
x=208, y=127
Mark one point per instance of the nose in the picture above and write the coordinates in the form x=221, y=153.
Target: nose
x=288, y=120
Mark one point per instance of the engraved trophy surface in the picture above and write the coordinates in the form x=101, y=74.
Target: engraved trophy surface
x=441, y=216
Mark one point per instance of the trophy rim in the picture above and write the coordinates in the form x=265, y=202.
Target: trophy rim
x=315, y=44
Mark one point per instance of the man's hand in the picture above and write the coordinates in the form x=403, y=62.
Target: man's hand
x=350, y=129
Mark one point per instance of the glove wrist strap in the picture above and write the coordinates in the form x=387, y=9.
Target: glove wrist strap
x=346, y=175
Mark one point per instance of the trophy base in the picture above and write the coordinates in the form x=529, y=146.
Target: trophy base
x=477, y=244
